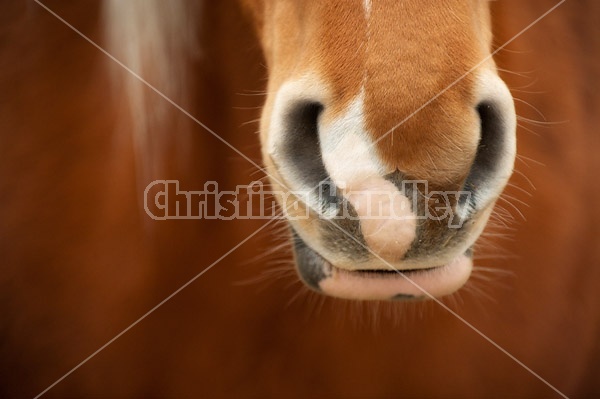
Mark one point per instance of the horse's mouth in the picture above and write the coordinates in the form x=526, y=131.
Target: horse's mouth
x=384, y=284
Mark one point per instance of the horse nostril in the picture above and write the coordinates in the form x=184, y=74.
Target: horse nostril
x=490, y=150
x=300, y=147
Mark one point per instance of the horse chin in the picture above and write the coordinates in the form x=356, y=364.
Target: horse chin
x=385, y=284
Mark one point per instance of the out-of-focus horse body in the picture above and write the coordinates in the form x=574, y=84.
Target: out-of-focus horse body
x=81, y=137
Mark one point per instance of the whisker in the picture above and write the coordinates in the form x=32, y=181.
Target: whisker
x=531, y=106
x=519, y=173
x=522, y=190
x=528, y=130
x=540, y=123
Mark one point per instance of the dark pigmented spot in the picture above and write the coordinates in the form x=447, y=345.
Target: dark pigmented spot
x=408, y=297
x=309, y=264
x=469, y=252
x=403, y=297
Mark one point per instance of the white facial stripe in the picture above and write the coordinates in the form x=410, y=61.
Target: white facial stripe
x=346, y=148
x=353, y=165
x=367, y=7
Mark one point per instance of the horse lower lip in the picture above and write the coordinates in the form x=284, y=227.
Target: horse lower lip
x=391, y=272
x=386, y=285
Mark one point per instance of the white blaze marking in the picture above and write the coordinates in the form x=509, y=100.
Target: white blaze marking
x=347, y=151
x=387, y=222
x=367, y=7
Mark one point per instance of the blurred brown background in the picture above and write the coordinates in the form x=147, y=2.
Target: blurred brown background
x=80, y=261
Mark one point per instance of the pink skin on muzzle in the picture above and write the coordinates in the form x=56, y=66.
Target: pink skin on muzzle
x=387, y=222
